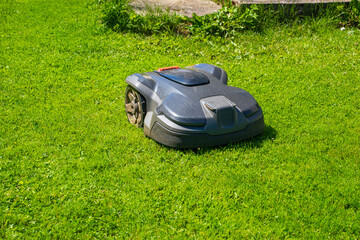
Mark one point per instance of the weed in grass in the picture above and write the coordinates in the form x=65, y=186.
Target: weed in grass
x=351, y=16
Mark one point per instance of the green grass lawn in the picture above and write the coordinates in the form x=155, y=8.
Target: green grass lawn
x=71, y=166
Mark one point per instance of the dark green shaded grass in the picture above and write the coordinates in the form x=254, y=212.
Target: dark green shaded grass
x=72, y=167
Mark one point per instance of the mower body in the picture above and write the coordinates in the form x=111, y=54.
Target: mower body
x=194, y=107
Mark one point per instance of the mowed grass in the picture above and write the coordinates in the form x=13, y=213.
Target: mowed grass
x=71, y=166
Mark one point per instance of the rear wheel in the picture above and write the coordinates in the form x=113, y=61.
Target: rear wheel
x=134, y=107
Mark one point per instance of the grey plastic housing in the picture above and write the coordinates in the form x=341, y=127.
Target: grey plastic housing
x=194, y=107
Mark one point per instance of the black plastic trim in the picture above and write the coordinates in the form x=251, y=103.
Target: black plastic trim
x=186, y=140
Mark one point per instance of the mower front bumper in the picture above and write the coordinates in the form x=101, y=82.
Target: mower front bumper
x=195, y=140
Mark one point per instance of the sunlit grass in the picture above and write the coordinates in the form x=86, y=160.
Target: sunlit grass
x=72, y=167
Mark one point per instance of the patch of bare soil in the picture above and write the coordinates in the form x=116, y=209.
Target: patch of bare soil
x=182, y=7
x=203, y=7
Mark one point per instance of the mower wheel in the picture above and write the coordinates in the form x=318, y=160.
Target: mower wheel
x=134, y=107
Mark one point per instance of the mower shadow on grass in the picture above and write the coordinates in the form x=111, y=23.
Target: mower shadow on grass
x=269, y=134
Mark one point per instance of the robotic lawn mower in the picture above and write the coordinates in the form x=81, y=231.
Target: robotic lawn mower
x=191, y=107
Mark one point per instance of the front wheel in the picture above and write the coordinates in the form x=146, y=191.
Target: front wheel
x=134, y=107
